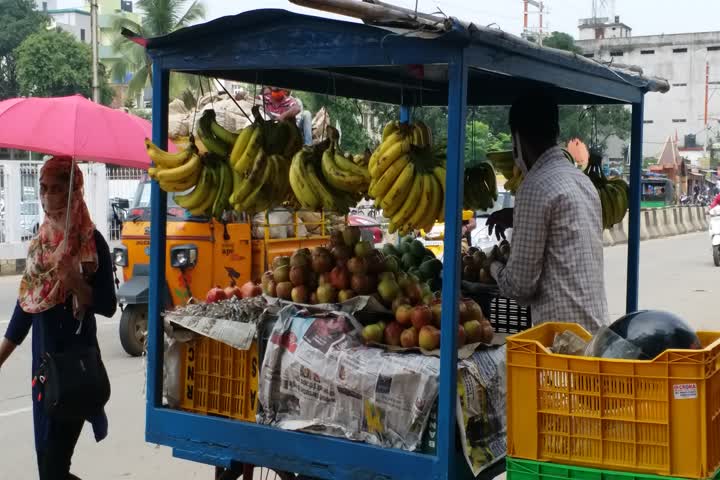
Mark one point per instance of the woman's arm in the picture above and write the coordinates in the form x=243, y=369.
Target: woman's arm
x=17, y=330
x=103, y=286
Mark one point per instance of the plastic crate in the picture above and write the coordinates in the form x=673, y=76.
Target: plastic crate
x=658, y=416
x=219, y=379
x=530, y=470
x=504, y=314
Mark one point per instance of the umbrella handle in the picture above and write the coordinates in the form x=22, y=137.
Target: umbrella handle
x=69, y=201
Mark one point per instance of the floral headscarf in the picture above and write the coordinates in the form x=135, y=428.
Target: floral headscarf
x=40, y=288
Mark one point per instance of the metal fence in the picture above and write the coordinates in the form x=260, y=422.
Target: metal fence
x=122, y=185
x=30, y=214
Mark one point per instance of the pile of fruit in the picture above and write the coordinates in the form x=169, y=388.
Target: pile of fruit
x=614, y=193
x=408, y=177
x=414, y=259
x=248, y=290
x=322, y=177
x=476, y=265
x=348, y=267
x=419, y=326
x=480, y=190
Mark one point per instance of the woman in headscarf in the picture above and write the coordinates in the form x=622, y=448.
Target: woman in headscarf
x=68, y=279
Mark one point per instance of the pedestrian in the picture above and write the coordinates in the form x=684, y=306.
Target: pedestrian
x=556, y=261
x=280, y=105
x=68, y=279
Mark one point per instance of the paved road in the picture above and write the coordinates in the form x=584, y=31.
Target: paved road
x=677, y=274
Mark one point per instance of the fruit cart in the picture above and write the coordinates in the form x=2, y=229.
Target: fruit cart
x=412, y=63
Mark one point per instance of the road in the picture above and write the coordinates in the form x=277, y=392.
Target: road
x=677, y=274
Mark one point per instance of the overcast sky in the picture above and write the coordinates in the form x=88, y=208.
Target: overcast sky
x=645, y=17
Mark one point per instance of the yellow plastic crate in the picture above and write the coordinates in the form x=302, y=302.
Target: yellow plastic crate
x=658, y=416
x=219, y=380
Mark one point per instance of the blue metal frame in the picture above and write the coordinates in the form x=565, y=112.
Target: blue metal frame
x=633, y=258
x=274, y=41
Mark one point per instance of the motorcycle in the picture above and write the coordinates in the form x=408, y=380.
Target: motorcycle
x=715, y=234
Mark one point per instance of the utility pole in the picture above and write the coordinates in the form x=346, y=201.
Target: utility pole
x=94, y=41
x=707, y=91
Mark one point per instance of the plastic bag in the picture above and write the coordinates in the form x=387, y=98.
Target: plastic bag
x=569, y=343
x=608, y=344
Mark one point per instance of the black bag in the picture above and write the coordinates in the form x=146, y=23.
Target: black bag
x=74, y=383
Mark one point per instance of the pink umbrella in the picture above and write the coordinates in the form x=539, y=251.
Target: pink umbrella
x=76, y=127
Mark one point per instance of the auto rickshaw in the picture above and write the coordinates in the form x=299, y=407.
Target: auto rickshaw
x=433, y=239
x=201, y=253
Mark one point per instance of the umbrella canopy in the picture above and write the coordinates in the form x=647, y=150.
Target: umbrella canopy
x=77, y=127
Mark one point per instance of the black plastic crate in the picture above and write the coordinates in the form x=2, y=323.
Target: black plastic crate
x=504, y=314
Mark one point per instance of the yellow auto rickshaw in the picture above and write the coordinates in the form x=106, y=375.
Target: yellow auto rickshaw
x=201, y=253
x=433, y=239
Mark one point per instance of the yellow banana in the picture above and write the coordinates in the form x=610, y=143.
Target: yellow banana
x=254, y=146
x=439, y=174
x=436, y=201
x=390, y=128
x=182, y=185
x=423, y=204
x=251, y=202
x=182, y=172
x=338, y=178
x=397, y=194
x=254, y=178
x=241, y=144
x=220, y=132
x=319, y=188
x=152, y=172
x=350, y=166
x=163, y=159
x=264, y=169
x=396, y=151
x=388, y=178
x=195, y=198
x=204, y=206
x=394, y=138
x=299, y=181
x=410, y=204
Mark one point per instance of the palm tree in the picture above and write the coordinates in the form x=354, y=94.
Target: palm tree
x=160, y=17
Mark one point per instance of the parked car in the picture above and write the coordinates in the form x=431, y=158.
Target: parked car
x=370, y=228
x=29, y=219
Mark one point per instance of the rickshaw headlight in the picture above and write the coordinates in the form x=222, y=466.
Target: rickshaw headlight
x=183, y=256
x=120, y=256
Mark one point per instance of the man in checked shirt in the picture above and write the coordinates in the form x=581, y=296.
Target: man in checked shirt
x=556, y=261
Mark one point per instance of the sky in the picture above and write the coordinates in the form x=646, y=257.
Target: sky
x=645, y=17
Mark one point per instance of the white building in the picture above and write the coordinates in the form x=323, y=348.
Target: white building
x=682, y=59
x=72, y=20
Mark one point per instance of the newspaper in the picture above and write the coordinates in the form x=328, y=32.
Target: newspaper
x=318, y=376
x=236, y=334
x=481, y=408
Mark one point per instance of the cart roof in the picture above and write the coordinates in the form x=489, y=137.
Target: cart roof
x=402, y=64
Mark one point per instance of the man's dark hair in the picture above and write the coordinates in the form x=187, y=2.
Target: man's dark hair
x=534, y=115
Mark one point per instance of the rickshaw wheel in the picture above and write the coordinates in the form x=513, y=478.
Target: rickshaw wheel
x=133, y=329
x=259, y=473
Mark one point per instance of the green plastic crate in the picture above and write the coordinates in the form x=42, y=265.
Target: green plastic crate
x=531, y=470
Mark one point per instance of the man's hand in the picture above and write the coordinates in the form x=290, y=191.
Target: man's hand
x=500, y=221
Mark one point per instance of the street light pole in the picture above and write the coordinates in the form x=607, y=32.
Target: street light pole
x=94, y=41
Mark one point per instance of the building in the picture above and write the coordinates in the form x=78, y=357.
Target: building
x=689, y=61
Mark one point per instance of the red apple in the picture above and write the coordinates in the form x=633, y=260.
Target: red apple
x=357, y=265
x=429, y=338
x=232, y=292
x=403, y=315
x=215, y=295
x=413, y=292
x=436, y=310
x=461, y=336
x=392, y=334
x=340, y=278
x=409, y=338
x=421, y=316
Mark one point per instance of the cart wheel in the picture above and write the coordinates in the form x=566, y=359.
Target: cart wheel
x=716, y=255
x=133, y=329
x=259, y=473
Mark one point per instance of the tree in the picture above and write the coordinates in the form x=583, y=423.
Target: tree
x=53, y=63
x=19, y=19
x=160, y=18
x=346, y=112
x=577, y=122
x=479, y=139
x=561, y=41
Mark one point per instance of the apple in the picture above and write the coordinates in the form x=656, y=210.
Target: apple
x=409, y=338
x=357, y=265
x=487, y=332
x=474, y=312
x=360, y=283
x=473, y=331
x=340, y=278
x=232, y=292
x=388, y=290
x=463, y=312
x=363, y=249
x=215, y=295
x=414, y=293
x=266, y=278
x=399, y=300
x=351, y=236
x=436, y=310
x=392, y=334
x=284, y=290
x=298, y=275
x=373, y=333
x=461, y=336
x=403, y=315
x=421, y=316
x=326, y=294
x=429, y=338
x=299, y=294
x=345, y=295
